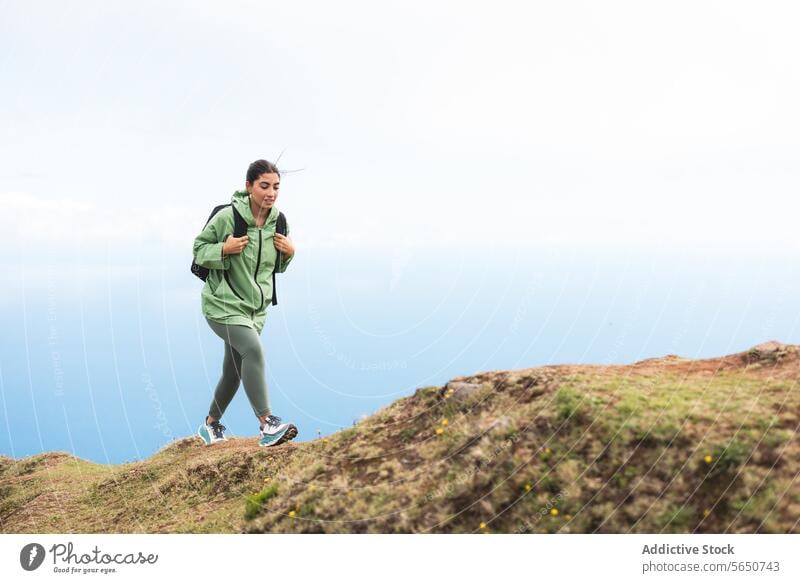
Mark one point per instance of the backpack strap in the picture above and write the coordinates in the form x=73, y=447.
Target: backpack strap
x=239, y=224
x=280, y=227
x=198, y=270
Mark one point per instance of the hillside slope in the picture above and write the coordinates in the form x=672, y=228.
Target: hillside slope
x=662, y=445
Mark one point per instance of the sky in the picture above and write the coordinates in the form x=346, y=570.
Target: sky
x=468, y=189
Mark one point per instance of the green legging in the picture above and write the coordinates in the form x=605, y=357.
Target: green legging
x=244, y=361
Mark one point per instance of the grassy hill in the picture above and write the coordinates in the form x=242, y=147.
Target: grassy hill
x=662, y=445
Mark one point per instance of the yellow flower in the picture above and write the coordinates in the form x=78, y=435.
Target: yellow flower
x=439, y=431
x=292, y=513
x=483, y=525
x=706, y=512
x=567, y=516
x=547, y=450
x=266, y=480
x=528, y=487
x=445, y=421
x=554, y=511
x=708, y=459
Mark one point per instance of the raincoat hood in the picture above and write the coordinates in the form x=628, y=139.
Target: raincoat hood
x=241, y=200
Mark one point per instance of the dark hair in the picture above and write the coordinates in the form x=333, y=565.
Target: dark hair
x=260, y=167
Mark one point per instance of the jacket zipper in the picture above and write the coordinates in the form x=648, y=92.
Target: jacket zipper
x=255, y=274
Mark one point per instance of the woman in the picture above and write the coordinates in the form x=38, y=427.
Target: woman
x=236, y=294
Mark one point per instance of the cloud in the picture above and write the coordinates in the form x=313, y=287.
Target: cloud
x=616, y=125
x=42, y=222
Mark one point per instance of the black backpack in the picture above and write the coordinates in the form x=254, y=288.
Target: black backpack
x=240, y=230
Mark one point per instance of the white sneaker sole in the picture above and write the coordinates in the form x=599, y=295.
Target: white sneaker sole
x=206, y=436
x=271, y=440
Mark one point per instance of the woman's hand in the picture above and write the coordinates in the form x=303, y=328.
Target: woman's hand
x=234, y=245
x=284, y=244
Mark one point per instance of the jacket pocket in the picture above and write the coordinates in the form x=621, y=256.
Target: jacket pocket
x=226, y=281
x=219, y=284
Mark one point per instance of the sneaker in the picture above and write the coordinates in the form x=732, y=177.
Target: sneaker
x=213, y=433
x=274, y=432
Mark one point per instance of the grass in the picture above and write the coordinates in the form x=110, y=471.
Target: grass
x=725, y=459
x=616, y=449
x=255, y=504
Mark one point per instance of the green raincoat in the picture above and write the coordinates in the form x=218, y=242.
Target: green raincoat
x=239, y=287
